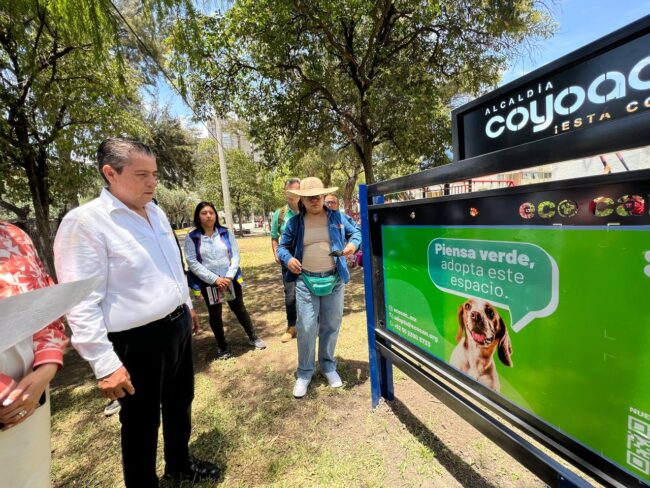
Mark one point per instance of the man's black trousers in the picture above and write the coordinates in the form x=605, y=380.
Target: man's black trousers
x=158, y=357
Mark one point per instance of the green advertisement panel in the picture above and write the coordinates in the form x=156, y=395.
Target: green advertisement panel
x=554, y=319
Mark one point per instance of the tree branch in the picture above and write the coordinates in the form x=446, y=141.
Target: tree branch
x=374, y=37
x=21, y=213
x=301, y=6
x=58, y=125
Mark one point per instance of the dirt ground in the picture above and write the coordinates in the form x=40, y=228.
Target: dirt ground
x=246, y=420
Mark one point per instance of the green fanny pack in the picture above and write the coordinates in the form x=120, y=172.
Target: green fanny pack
x=320, y=285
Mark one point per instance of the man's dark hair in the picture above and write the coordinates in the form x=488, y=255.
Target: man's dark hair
x=115, y=151
x=292, y=181
x=197, y=216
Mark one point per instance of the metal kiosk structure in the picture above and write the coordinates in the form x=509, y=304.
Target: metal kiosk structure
x=593, y=101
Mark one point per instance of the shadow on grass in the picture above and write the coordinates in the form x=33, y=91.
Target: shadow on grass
x=355, y=293
x=353, y=373
x=454, y=464
x=207, y=447
x=256, y=395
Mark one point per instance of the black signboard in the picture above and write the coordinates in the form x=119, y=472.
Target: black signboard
x=553, y=264
x=429, y=265
x=602, y=83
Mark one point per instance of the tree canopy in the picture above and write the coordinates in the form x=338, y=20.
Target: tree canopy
x=251, y=185
x=70, y=73
x=174, y=146
x=356, y=74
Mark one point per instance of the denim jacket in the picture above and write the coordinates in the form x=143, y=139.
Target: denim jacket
x=340, y=231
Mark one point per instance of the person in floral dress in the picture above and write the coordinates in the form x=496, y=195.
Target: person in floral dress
x=27, y=368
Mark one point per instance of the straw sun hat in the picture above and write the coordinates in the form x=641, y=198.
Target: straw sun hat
x=311, y=187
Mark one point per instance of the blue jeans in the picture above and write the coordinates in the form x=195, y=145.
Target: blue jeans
x=317, y=316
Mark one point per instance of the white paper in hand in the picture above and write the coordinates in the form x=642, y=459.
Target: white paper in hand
x=21, y=316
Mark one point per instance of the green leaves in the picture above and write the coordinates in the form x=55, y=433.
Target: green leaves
x=174, y=147
x=358, y=73
x=250, y=183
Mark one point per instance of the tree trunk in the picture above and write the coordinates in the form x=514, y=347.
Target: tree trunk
x=364, y=149
x=37, y=178
x=241, y=225
x=367, y=161
x=327, y=174
x=348, y=191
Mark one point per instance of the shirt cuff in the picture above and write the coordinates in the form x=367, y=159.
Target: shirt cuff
x=107, y=364
x=48, y=356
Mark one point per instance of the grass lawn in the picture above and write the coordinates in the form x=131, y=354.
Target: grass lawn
x=246, y=420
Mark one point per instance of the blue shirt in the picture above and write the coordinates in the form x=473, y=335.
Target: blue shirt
x=216, y=262
x=350, y=219
x=341, y=230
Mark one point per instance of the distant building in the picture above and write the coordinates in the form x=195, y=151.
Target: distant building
x=617, y=162
x=232, y=139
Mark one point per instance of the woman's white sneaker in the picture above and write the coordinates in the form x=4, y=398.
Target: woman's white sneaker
x=300, y=389
x=333, y=379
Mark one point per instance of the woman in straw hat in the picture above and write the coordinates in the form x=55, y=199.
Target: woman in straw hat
x=313, y=248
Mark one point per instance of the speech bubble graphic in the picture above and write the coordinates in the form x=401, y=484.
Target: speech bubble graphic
x=517, y=276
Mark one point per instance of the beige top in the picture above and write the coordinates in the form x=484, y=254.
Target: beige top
x=316, y=244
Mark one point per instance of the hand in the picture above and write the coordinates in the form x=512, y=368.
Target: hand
x=25, y=397
x=348, y=250
x=294, y=266
x=195, y=322
x=222, y=283
x=116, y=385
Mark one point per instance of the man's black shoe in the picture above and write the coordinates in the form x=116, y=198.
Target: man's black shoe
x=223, y=353
x=198, y=471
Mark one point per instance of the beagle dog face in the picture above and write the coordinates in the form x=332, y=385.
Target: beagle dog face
x=484, y=326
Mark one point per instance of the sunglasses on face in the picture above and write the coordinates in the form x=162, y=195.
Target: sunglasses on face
x=314, y=198
x=331, y=203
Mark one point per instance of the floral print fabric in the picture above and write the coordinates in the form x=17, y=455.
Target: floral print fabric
x=21, y=270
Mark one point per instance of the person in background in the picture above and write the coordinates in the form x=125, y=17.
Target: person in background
x=333, y=203
x=25, y=370
x=135, y=328
x=212, y=255
x=314, y=247
x=278, y=223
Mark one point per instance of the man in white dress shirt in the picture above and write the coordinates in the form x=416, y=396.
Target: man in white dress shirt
x=135, y=329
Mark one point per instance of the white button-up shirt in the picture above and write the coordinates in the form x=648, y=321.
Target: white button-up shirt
x=140, y=265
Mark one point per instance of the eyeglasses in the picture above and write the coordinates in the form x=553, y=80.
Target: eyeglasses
x=331, y=203
x=313, y=198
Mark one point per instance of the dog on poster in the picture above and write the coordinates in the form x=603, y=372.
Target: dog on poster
x=481, y=331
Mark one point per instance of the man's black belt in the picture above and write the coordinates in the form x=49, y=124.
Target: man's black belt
x=178, y=311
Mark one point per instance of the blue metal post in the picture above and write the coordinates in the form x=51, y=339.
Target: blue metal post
x=385, y=366
x=381, y=371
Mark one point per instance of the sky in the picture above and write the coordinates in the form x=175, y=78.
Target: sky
x=579, y=23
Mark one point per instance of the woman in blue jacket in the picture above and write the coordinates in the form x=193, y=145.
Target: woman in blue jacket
x=212, y=255
x=313, y=249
